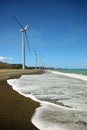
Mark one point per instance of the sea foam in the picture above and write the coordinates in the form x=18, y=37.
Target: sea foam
x=72, y=75
x=51, y=89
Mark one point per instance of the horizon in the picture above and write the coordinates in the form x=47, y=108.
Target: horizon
x=45, y=67
x=57, y=31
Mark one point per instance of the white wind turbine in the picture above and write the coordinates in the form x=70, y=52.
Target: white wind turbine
x=24, y=34
x=36, y=53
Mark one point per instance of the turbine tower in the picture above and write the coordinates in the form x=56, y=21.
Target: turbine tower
x=24, y=34
x=36, y=53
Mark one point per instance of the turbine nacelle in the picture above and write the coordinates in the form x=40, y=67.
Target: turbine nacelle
x=24, y=29
x=36, y=53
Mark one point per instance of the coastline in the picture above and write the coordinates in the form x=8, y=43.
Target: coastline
x=19, y=112
x=16, y=110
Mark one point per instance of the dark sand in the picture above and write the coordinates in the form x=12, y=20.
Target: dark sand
x=15, y=110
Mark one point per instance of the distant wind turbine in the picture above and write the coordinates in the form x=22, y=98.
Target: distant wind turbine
x=36, y=53
x=24, y=34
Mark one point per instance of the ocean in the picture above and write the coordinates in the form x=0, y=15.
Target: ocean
x=62, y=95
x=76, y=71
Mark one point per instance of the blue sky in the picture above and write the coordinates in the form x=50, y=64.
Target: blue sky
x=57, y=30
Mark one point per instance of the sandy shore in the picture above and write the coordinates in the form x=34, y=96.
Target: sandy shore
x=15, y=110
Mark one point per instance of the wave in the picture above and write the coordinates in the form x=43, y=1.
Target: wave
x=53, y=85
x=72, y=75
x=49, y=117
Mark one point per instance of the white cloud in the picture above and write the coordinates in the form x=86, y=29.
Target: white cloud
x=2, y=58
x=10, y=58
x=5, y=58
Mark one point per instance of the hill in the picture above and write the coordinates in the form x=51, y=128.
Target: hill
x=4, y=65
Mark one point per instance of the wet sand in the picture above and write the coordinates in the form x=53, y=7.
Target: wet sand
x=15, y=110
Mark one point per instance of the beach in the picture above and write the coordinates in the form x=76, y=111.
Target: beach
x=15, y=110
x=62, y=98
x=49, y=101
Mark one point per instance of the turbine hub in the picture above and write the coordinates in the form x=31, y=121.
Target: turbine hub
x=22, y=30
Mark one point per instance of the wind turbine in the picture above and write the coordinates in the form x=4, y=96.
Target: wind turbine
x=36, y=53
x=24, y=34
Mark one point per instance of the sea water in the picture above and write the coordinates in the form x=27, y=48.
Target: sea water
x=63, y=99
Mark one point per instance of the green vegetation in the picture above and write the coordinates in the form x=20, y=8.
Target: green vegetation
x=4, y=65
x=10, y=66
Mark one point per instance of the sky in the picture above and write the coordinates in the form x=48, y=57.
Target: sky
x=57, y=31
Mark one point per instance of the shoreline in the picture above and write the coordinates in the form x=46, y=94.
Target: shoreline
x=16, y=110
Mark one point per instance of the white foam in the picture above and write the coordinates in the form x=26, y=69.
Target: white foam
x=52, y=88
x=72, y=75
x=50, y=116
x=14, y=87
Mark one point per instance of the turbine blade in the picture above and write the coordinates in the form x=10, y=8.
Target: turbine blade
x=26, y=27
x=27, y=40
x=34, y=50
x=18, y=22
